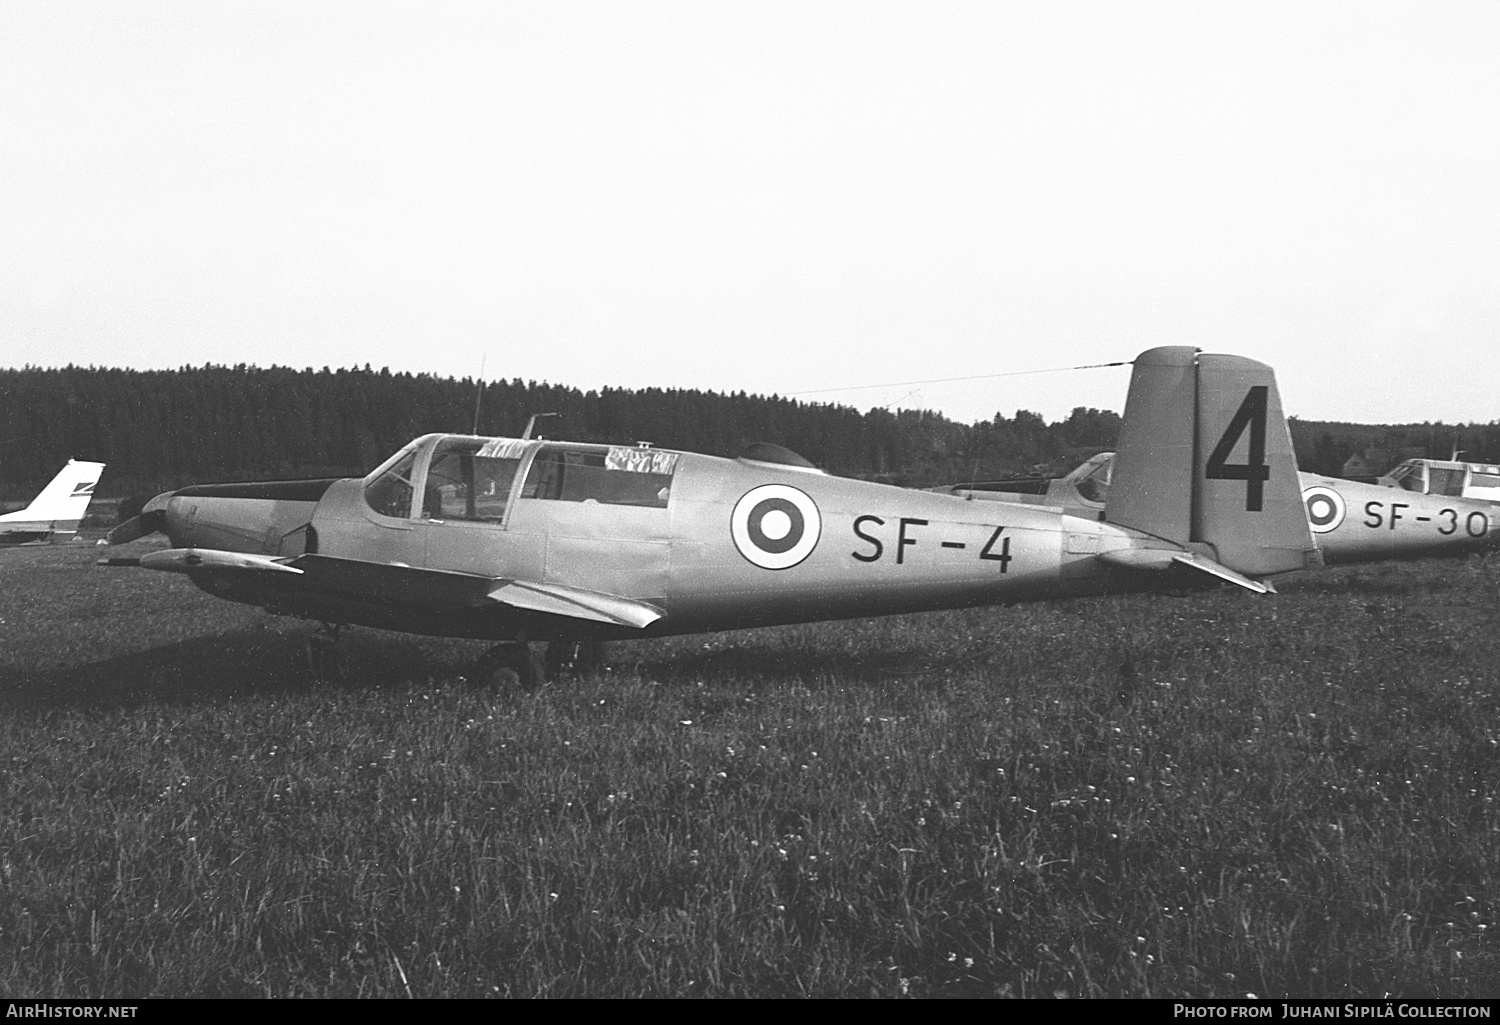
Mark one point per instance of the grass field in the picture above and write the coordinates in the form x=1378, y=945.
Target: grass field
x=1138, y=796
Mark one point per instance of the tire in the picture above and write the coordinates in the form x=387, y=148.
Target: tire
x=515, y=665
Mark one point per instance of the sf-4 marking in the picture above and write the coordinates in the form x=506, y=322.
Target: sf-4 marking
x=996, y=549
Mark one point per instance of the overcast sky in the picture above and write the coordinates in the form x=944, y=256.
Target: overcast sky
x=775, y=197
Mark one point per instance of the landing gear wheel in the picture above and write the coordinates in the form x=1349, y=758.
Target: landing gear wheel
x=325, y=661
x=513, y=665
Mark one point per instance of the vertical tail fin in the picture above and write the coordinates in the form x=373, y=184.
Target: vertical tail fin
x=64, y=501
x=1206, y=462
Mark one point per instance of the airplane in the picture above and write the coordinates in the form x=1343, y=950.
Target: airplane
x=549, y=547
x=55, y=513
x=1350, y=520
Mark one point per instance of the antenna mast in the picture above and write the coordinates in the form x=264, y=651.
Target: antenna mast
x=526, y=435
x=479, y=394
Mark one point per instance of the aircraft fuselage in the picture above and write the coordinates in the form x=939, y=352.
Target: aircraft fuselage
x=730, y=543
x=1351, y=521
x=1357, y=522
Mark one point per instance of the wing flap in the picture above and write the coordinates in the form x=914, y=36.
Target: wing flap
x=577, y=603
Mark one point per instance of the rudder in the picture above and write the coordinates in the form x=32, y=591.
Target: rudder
x=1248, y=498
x=66, y=498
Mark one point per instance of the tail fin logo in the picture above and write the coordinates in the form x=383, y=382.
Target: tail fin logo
x=83, y=488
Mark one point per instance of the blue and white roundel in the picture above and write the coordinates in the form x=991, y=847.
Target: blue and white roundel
x=1325, y=509
x=775, y=526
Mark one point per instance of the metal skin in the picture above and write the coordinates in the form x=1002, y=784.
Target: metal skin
x=1355, y=522
x=1450, y=477
x=1351, y=521
x=647, y=542
x=57, y=510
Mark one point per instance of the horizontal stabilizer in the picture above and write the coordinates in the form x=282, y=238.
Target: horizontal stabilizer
x=1160, y=561
x=193, y=560
x=1209, y=566
x=577, y=603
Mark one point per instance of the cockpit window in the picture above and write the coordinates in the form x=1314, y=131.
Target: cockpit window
x=390, y=494
x=620, y=476
x=469, y=479
x=1445, y=482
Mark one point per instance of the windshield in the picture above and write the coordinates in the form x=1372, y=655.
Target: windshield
x=1095, y=486
x=390, y=493
x=1410, y=477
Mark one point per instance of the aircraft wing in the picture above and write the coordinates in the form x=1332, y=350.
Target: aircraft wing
x=398, y=584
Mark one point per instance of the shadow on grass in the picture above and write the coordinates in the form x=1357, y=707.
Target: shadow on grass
x=783, y=664
x=237, y=664
x=1383, y=581
x=261, y=662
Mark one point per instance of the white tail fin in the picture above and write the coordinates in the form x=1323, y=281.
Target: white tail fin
x=1206, y=462
x=61, y=504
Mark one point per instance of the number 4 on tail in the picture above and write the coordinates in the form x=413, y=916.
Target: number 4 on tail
x=1254, y=471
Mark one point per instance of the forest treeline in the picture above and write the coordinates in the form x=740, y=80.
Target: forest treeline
x=166, y=428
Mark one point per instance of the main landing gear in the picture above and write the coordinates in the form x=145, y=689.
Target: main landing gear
x=522, y=664
x=529, y=665
x=324, y=660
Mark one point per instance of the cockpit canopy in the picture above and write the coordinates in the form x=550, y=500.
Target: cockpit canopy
x=1447, y=477
x=1093, y=477
x=465, y=477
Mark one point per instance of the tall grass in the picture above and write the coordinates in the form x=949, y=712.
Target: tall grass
x=1135, y=796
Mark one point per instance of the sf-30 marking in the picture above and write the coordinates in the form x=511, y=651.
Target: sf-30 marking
x=1475, y=524
x=996, y=549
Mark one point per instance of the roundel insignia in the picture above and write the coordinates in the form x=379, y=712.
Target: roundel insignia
x=775, y=526
x=1325, y=509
